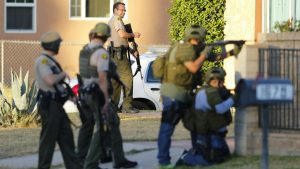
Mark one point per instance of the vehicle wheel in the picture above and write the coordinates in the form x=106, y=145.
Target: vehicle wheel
x=141, y=105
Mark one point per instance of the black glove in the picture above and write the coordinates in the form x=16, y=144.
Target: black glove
x=224, y=93
x=206, y=51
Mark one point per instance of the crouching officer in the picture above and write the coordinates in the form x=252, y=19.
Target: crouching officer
x=51, y=98
x=94, y=68
x=209, y=121
x=181, y=65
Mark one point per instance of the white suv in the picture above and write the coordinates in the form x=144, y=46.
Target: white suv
x=146, y=91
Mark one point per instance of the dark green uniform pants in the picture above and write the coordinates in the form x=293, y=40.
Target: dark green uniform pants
x=55, y=128
x=86, y=132
x=94, y=152
x=125, y=73
x=95, y=149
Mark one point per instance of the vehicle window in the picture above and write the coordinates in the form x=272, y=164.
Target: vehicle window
x=150, y=77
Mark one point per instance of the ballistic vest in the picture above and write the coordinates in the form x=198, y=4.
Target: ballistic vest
x=211, y=121
x=87, y=70
x=176, y=72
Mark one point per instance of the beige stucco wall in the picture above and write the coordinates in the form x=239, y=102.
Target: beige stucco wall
x=240, y=24
x=240, y=20
x=150, y=18
x=147, y=17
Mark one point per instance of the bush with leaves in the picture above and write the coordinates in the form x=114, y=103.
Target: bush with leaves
x=208, y=13
x=287, y=26
x=21, y=111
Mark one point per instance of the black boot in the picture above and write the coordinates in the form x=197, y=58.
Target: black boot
x=126, y=164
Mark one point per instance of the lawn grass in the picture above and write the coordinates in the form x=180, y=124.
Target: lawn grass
x=21, y=141
x=253, y=162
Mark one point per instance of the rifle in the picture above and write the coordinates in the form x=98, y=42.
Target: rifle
x=222, y=44
x=134, y=49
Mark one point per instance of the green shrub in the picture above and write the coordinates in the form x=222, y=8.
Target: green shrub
x=21, y=111
x=287, y=26
x=208, y=13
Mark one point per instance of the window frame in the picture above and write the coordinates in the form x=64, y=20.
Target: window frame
x=83, y=11
x=17, y=4
x=266, y=14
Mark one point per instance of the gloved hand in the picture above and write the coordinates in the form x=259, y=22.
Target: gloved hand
x=236, y=50
x=206, y=51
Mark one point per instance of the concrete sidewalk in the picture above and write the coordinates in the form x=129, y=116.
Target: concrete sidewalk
x=146, y=157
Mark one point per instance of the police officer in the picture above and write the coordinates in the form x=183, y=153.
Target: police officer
x=212, y=116
x=86, y=117
x=94, y=67
x=210, y=119
x=51, y=97
x=176, y=85
x=119, y=47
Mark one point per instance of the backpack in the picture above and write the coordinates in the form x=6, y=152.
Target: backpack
x=158, y=66
x=160, y=63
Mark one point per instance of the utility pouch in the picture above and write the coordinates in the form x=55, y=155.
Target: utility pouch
x=97, y=95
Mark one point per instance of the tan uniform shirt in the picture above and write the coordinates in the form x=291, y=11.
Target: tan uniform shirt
x=116, y=24
x=100, y=59
x=44, y=66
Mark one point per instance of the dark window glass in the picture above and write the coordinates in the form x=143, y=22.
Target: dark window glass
x=10, y=0
x=150, y=77
x=20, y=1
x=97, y=8
x=19, y=18
x=29, y=1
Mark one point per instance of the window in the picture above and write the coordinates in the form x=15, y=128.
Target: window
x=279, y=11
x=150, y=77
x=92, y=8
x=19, y=16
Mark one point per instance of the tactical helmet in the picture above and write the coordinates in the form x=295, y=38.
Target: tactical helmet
x=102, y=29
x=215, y=73
x=92, y=31
x=196, y=32
x=51, y=41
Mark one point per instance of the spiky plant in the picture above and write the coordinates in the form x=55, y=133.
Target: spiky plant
x=22, y=109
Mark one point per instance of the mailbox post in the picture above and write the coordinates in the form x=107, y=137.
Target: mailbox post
x=264, y=92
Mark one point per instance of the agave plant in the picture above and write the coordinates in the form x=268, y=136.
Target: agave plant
x=23, y=105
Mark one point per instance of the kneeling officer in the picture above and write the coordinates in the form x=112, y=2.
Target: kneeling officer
x=51, y=98
x=209, y=121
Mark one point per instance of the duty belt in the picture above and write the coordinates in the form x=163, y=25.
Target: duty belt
x=50, y=95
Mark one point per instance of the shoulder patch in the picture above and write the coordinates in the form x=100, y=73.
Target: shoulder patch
x=44, y=61
x=104, y=56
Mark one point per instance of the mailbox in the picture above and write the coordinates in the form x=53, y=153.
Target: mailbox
x=264, y=91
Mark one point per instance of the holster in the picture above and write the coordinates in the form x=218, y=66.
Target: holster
x=118, y=52
x=94, y=90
